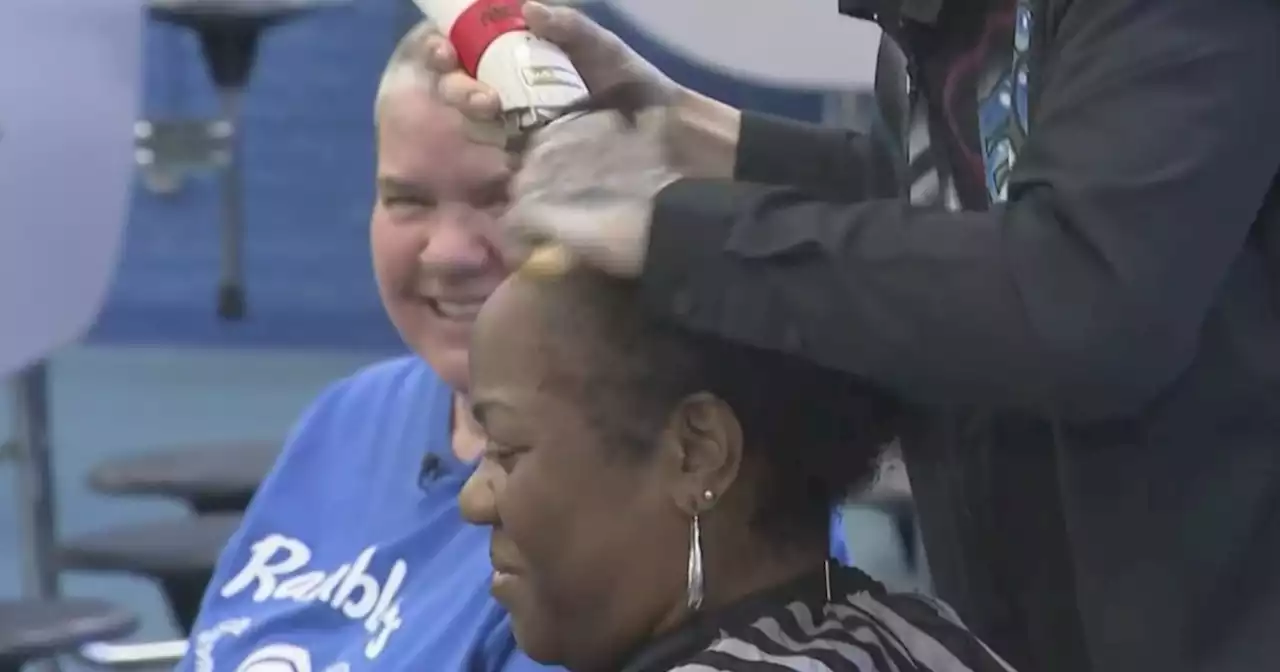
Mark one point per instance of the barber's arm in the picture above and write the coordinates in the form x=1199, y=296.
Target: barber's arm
x=833, y=163
x=1150, y=156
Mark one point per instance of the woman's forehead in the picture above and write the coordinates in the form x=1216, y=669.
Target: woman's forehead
x=547, y=338
x=510, y=340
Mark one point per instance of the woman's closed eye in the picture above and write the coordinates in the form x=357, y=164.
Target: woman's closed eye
x=501, y=454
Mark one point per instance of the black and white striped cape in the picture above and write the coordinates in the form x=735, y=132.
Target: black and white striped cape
x=862, y=628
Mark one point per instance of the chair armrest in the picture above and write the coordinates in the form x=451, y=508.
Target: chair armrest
x=133, y=655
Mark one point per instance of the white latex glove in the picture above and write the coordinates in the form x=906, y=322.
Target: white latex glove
x=586, y=187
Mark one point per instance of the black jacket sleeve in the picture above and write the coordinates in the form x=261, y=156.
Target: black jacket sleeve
x=1152, y=150
x=831, y=163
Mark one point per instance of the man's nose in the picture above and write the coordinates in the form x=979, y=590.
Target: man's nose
x=456, y=238
x=477, y=500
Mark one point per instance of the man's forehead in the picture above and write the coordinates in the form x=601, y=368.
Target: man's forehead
x=409, y=102
x=420, y=147
x=412, y=118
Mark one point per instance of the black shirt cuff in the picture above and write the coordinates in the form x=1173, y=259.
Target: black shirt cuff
x=777, y=151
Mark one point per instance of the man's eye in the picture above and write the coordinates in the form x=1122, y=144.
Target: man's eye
x=402, y=202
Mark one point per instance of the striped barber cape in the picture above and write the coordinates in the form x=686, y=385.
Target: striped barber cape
x=834, y=620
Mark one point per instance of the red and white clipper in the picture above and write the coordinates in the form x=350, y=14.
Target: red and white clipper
x=533, y=78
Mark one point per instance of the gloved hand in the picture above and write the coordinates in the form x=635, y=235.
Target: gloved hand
x=587, y=185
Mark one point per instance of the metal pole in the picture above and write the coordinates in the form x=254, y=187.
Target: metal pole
x=34, y=471
x=231, y=299
x=33, y=467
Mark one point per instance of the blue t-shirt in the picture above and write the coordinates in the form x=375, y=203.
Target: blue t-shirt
x=347, y=562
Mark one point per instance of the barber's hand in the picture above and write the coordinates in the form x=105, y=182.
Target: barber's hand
x=586, y=190
x=698, y=134
x=602, y=59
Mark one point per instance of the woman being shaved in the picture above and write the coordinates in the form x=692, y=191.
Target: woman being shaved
x=660, y=501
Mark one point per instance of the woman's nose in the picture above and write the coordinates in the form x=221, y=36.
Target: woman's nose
x=476, y=501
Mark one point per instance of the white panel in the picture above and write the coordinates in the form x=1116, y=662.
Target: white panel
x=70, y=85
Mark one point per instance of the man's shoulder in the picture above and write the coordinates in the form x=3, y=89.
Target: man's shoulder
x=389, y=376
x=378, y=389
x=378, y=415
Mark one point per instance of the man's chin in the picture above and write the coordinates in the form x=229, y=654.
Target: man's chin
x=441, y=342
x=449, y=361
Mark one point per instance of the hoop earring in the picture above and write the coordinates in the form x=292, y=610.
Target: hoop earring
x=826, y=573
x=696, y=584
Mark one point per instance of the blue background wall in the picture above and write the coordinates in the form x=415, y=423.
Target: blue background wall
x=308, y=167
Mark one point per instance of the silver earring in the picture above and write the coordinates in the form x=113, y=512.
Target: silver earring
x=696, y=579
x=826, y=571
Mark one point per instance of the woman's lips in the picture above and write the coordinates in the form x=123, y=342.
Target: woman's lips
x=502, y=584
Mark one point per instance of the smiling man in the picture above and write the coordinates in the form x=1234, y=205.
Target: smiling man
x=353, y=555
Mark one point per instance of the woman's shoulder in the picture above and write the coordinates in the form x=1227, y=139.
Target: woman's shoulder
x=860, y=628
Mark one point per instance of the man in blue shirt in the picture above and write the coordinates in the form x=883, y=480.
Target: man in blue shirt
x=353, y=555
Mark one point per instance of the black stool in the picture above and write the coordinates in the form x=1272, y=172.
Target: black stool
x=210, y=478
x=179, y=554
x=35, y=629
x=229, y=31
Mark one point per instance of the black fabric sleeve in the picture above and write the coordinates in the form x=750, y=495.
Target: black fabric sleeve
x=1152, y=151
x=833, y=163
x=830, y=163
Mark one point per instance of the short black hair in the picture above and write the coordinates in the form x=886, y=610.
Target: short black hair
x=818, y=431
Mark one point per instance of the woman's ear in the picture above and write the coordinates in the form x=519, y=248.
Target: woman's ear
x=702, y=448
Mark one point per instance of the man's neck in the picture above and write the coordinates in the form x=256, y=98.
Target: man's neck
x=467, y=437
